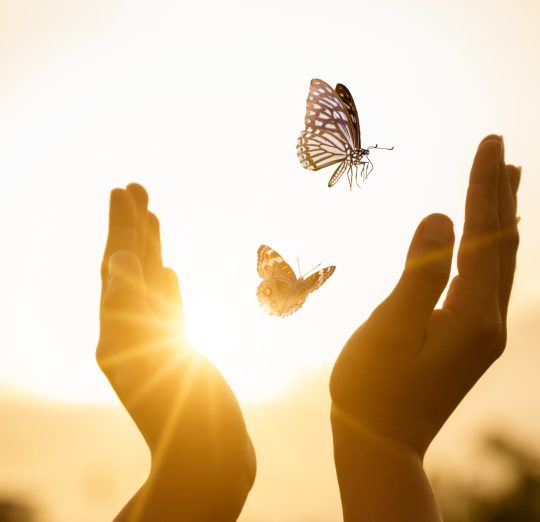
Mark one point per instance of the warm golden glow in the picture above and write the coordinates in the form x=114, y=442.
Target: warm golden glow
x=204, y=109
x=149, y=124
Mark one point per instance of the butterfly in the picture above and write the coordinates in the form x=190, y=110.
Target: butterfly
x=281, y=293
x=332, y=134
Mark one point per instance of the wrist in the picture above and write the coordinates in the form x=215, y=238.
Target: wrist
x=380, y=477
x=407, y=431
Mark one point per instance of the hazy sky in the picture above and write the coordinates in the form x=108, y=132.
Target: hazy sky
x=202, y=102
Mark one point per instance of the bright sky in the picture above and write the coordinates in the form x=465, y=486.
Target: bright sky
x=202, y=102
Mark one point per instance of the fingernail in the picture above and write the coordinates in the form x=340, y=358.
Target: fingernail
x=438, y=228
x=494, y=148
x=122, y=263
x=115, y=268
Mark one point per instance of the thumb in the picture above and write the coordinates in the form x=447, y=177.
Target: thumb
x=427, y=269
x=126, y=281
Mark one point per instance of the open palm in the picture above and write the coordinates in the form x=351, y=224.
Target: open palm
x=203, y=463
x=405, y=370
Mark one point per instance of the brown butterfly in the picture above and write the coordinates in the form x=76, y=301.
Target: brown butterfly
x=281, y=293
x=332, y=134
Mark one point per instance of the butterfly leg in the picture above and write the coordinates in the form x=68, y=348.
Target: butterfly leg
x=362, y=173
x=368, y=169
x=356, y=176
x=350, y=174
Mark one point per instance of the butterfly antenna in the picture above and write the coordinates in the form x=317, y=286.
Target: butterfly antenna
x=383, y=148
x=314, y=268
x=298, y=263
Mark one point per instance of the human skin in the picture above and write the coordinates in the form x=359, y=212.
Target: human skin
x=406, y=368
x=202, y=459
x=394, y=385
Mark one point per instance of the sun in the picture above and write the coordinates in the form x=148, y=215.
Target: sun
x=238, y=351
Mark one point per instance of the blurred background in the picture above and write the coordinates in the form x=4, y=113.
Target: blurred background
x=202, y=102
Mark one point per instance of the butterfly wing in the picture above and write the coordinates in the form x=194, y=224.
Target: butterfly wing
x=342, y=167
x=316, y=280
x=329, y=135
x=348, y=102
x=271, y=265
x=280, y=293
x=281, y=297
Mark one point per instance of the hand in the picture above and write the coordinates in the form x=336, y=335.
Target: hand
x=203, y=463
x=405, y=370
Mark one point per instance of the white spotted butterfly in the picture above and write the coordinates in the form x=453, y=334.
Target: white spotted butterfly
x=332, y=134
x=281, y=293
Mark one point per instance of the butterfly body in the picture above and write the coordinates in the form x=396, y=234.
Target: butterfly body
x=357, y=157
x=332, y=134
x=281, y=293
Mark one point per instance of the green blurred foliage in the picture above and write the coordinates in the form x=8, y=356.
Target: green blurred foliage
x=518, y=502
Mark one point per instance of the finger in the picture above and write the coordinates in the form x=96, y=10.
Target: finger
x=154, y=261
x=478, y=255
x=126, y=288
x=140, y=197
x=171, y=304
x=509, y=237
x=153, y=269
x=124, y=314
x=408, y=308
x=171, y=287
x=122, y=230
x=514, y=175
x=139, y=194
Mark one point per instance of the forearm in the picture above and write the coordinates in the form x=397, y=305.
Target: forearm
x=182, y=490
x=203, y=463
x=202, y=459
x=380, y=479
x=188, y=500
x=150, y=504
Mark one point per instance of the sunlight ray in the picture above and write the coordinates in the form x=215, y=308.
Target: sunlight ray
x=173, y=364
x=164, y=345
x=468, y=244
x=157, y=456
